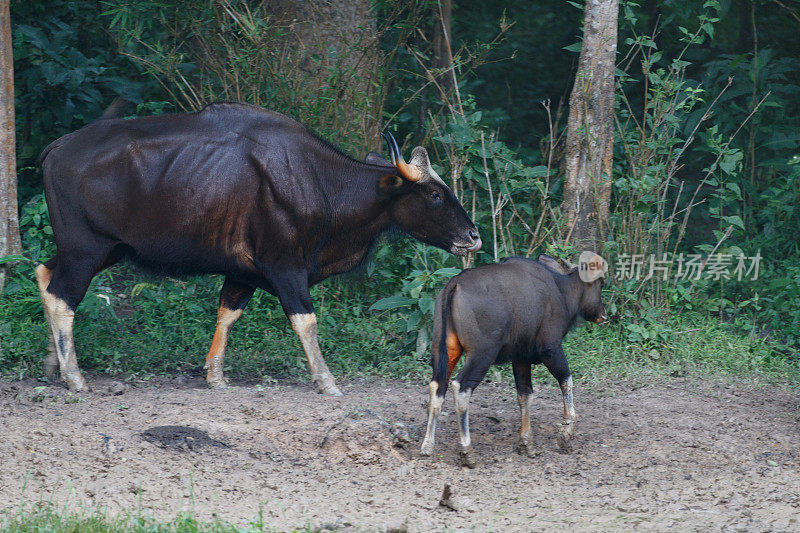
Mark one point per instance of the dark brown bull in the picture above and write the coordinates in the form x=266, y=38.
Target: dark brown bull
x=517, y=311
x=233, y=190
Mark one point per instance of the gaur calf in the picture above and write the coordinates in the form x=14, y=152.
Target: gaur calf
x=517, y=311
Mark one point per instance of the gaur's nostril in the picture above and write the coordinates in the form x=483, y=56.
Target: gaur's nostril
x=473, y=234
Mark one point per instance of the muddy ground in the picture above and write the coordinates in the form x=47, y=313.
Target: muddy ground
x=680, y=455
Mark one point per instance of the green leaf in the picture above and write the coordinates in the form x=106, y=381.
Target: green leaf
x=391, y=302
x=426, y=304
x=734, y=220
x=14, y=259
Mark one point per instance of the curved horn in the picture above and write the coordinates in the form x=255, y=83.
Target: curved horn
x=411, y=173
x=388, y=138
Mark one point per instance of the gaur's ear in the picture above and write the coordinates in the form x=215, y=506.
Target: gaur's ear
x=374, y=158
x=419, y=157
x=389, y=184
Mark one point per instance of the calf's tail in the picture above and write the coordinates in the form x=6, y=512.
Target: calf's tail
x=443, y=368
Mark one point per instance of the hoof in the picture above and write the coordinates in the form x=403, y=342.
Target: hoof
x=563, y=443
x=219, y=383
x=330, y=390
x=327, y=386
x=427, y=449
x=526, y=448
x=467, y=458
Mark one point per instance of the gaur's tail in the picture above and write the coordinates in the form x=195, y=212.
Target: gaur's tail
x=443, y=367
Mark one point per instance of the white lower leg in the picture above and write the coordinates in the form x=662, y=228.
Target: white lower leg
x=462, y=413
x=566, y=392
x=570, y=418
x=215, y=376
x=43, y=275
x=434, y=409
x=61, y=319
x=305, y=326
x=525, y=404
x=525, y=444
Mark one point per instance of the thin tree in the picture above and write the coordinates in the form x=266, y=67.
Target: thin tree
x=9, y=223
x=590, y=129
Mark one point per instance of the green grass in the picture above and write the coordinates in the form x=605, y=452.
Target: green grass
x=44, y=518
x=697, y=345
x=134, y=326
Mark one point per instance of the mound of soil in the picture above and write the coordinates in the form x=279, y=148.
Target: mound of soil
x=363, y=437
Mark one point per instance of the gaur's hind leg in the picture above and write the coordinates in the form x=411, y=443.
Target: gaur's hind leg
x=556, y=363
x=232, y=300
x=69, y=280
x=44, y=273
x=438, y=385
x=292, y=291
x=522, y=379
x=473, y=372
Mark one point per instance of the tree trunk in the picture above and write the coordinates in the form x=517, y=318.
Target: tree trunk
x=442, y=55
x=590, y=130
x=9, y=223
x=343, y=37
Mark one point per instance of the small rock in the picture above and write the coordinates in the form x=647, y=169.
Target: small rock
x=452, y=502
x=117, y=388
x=447, y=498
x=400, y=434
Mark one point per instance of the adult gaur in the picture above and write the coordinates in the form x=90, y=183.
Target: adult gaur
x=517, y=311
x=235, y=190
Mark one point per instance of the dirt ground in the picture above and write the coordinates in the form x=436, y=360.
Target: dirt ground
x=680, y=455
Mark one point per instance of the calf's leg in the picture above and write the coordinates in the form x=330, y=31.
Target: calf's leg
x=522, y=379
x=556, y=363
x=232, y=300
x=446, y=353
x=473, y=372
x=435, y=402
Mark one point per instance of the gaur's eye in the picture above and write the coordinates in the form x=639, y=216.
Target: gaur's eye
x=435, y=197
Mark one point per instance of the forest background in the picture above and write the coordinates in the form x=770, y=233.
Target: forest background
x=705, y=174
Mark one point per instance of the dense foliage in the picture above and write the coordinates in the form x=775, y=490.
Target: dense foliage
x=706, y=162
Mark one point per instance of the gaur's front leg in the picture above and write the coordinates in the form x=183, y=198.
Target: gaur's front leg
x=522, y=379
x=292, y=291
x=232, y=300
x=556, y=363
